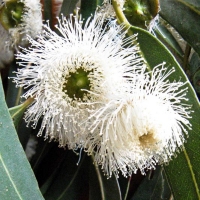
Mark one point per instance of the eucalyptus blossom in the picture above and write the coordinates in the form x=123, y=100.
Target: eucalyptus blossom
x=74, y=73
x=144, y=125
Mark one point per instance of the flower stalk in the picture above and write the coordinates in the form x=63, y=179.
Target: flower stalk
x=120, y=15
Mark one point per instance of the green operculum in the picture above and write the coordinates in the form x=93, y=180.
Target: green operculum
x=140, y=12
x=77, y=84
x=11, y=14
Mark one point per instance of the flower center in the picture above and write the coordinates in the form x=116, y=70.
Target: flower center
x=147, y=140
x=76, y=84
x=11, y=14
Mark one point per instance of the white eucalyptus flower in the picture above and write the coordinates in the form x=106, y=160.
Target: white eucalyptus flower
x=144, y=126
x=21, y=18
x=74, y=73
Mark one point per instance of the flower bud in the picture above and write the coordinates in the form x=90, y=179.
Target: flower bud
x=140, y=13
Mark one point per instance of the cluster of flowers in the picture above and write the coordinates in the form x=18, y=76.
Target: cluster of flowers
x=92, y=90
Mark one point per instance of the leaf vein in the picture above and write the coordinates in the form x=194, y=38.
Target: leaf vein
x=192, y=173
x=193, y=8
x=7, y=172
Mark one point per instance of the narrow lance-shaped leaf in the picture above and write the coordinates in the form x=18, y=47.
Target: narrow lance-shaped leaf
x=184, y=16
x=17, y=180
x=166, y=37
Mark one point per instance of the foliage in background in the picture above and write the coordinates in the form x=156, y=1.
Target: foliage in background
x=53, y=173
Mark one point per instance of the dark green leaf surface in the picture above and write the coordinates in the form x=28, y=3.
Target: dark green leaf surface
x=12, y=93
x=88, y=7
x=193, y=4
x=165, y=35
x=69, y=180
x=68, y=7
x=48, y=11
x=194, y=63
x=195, y=71
x=17, y=113
x=17, y=180
x=183, y=171
x=184, y=16
x=153, y=188
x=102, y=188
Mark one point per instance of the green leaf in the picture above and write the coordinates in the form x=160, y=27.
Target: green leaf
x=155, y=187
x=102, y=188
x=193, y=4
x=12, y=93
x=17, y=112
x=89, y=7
x=195, y=71
x=48, y=11
x=13, y=98
x=68, y=180
x=167, y=38
x=196, y=81
x=183, y=171
x=68, y=7
x=194, y=63
x=184, y=16
x=83, y=181
x=17, y=180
